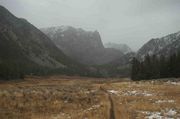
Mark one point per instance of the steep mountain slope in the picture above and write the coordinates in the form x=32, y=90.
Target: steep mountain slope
x=23, y=45
x=161, y=46
x=84, y=46
x=122, y=47
x=118, y=68
x=124, y=60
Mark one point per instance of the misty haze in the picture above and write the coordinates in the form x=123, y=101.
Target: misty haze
x=89, y=59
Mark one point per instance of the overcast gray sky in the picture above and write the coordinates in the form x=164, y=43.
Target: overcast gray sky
x=133, y=22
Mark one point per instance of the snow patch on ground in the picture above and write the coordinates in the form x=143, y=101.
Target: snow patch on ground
x=165, y=101
x=92, y=108
x=171, y=112
x=154, y=115
x=91, y=91
x=113, y=91
x=164, y=114
x=135, y=93
x=173, y=83
x=64, y=115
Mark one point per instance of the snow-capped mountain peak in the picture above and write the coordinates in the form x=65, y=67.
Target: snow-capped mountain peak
x=166, y=45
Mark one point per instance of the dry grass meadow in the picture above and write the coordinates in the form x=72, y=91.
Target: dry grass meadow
x=62, y=97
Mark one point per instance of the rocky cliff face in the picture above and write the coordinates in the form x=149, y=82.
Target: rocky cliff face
x=161, y=46
x=83, y=46
x=121, y=47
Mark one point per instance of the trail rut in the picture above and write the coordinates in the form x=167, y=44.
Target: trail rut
x=111, y=109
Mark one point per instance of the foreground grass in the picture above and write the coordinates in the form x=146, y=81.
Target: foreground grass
x=61, y=97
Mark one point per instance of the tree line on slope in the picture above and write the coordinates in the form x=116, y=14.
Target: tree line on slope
x=154, y=67
x=18, y=69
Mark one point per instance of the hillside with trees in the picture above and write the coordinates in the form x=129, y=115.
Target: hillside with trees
x=154, y=67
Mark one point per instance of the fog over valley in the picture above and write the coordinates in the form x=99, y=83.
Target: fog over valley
x=118, y=21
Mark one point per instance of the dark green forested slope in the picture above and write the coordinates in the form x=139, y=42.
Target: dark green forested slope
x=154, y=67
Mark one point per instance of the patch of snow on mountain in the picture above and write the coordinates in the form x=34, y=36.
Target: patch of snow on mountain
x=178, y=34
x=62, y=35
x=63, y=28
x=150, y=52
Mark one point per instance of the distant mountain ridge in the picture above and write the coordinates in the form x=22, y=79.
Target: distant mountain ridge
x=83, y=46
x=121, y=47
x=165, y=46
x=161, y=46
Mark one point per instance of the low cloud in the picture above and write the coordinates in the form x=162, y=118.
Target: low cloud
x=120, y=21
